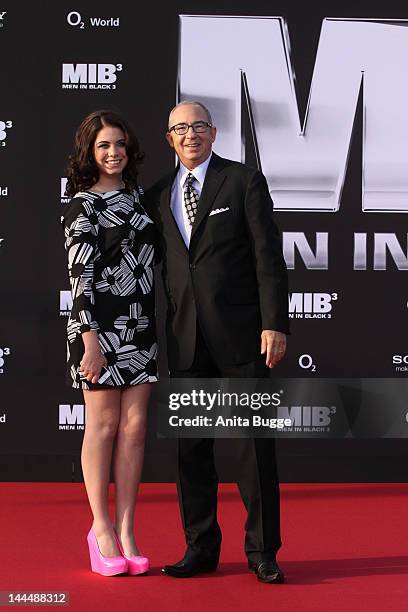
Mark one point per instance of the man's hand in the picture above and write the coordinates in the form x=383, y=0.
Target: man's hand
x=273, y=343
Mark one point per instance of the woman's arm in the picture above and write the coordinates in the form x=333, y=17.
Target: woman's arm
x=81, y=244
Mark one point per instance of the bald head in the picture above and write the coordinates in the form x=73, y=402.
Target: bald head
x=193, y=146
x=190, y=103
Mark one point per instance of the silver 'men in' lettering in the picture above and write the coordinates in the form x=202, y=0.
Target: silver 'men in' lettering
x=306, y=165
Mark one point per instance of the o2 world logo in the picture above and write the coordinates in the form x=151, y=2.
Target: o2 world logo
x=4, y=126
x=4, y=352
x=75, y=20
x=306, y=362
x=2, y=13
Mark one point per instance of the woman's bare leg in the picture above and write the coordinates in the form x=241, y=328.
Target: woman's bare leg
x=102, y=420
x=128, y=460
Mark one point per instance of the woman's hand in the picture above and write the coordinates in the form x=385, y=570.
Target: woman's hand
x=93, y=360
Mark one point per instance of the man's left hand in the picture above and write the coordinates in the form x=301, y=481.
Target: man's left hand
x=273, y=343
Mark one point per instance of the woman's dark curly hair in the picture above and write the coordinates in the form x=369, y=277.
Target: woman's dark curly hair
x=82, y=171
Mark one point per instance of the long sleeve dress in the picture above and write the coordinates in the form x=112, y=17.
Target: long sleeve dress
x=110, y=238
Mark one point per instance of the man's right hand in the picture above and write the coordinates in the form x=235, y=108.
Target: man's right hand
x=273, y=343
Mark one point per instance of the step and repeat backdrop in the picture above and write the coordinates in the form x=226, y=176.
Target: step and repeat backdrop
x=317, y=99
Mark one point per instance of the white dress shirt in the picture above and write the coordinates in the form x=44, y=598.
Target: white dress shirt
x=177, y=196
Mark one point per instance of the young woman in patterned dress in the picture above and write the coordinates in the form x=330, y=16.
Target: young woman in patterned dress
x=111, y=346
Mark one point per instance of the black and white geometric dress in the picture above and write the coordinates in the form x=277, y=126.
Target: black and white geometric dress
x=110, y=243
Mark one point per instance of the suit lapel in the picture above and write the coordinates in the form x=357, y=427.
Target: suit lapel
x=212, y=183
x=167, y=214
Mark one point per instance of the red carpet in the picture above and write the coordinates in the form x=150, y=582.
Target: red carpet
x=345, y=548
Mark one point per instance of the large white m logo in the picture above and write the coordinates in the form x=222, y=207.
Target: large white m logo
x=306, y=166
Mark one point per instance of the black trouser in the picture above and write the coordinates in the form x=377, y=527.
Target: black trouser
x=257, y=474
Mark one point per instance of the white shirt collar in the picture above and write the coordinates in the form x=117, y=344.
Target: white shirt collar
x=198, y=172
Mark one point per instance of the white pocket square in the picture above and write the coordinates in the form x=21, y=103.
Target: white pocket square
x=217, y=211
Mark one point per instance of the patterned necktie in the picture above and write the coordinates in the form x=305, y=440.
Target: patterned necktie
x=191, y=198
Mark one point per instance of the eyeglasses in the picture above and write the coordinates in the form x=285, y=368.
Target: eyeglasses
x=198, y=127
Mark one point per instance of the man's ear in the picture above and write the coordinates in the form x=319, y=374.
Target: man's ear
x=169, y=138
x=213, y=133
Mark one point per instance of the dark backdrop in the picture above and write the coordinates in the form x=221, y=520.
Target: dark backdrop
x=368, y=324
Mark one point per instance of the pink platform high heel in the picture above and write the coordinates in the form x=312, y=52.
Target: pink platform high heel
x=107, y=566
x=137, y=565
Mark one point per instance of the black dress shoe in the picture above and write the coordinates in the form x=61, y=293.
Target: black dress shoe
x=191, y=564
x=268, y=571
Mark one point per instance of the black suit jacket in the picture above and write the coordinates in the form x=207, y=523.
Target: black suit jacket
x=233, y=277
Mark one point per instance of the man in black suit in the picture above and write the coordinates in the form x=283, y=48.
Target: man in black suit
x=226, y=285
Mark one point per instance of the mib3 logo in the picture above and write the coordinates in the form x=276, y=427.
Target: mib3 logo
x=71, y=418
x=311, y=305
x=90, y=76
x=2, y=14
x=4, y=126
x=64, y=199
x=75, y=20
x=307, y=419
x=400, y=362
x=65, y=303
x=4, y=352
